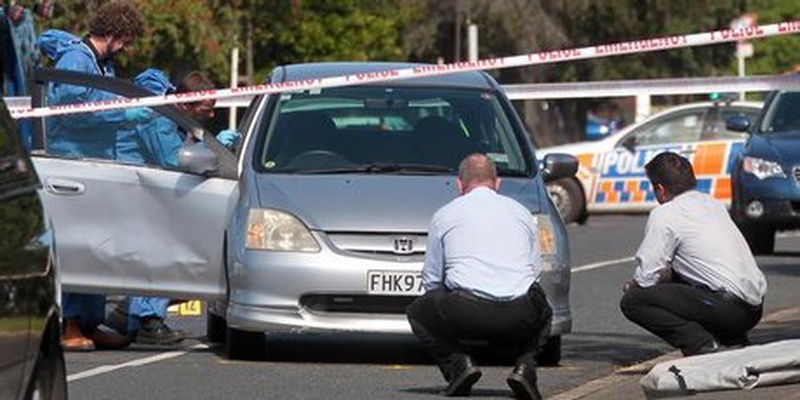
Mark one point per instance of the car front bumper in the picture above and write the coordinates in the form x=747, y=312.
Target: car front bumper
x=773, y=202
x=327, y=291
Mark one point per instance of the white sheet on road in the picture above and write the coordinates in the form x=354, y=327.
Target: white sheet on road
x=763, y=365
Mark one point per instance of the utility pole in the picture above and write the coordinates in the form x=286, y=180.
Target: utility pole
x=457, y=33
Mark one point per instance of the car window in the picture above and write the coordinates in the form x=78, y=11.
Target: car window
x=357, y=126
x=674, y=128
x=782, y=114
x=716, y=129
x=138, y=136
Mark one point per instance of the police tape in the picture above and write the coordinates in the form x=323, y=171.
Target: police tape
x=546, y=57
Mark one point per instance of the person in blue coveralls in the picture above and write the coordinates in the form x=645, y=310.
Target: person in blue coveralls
x=19, y=51
x=94, y=134
x=158, y=142
x=115, y=25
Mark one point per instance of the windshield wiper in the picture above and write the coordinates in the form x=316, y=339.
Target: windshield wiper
x=381, y=168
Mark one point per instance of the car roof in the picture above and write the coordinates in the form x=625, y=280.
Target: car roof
x=468, y=79
x=755, y=105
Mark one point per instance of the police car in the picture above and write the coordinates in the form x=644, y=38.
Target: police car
x=611, y=177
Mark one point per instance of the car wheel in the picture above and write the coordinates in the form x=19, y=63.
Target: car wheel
x=760, y=239
x=216, y=327
x=567, y=196
x=550, y=355
x=49, y=381
x=245, y=345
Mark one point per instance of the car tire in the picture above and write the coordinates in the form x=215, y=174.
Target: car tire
x=568, y=198
x=245, y=345
x=216, y=327
x=760, y=239
x=550, y=355
x=49, y=381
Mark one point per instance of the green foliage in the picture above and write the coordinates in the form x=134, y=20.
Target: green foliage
x=324, y=30
x=777, y=54
x=180, y=35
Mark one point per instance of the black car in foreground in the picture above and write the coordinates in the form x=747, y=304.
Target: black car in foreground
x=766, y=175
x=31, y=358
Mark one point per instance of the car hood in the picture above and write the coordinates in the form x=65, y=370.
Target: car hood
x=783, y=147
x=372, y=203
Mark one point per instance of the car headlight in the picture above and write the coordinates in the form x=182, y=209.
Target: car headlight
x=278, y=231
x=547, y=242
x=762, y=169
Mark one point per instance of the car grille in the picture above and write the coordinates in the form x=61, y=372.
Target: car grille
x=405, y=246
x=357, y=303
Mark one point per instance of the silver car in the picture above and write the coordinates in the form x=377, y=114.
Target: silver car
x=318, y=221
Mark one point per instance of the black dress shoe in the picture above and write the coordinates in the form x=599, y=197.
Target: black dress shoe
x=522, y=381
x=465, y=375
x=710, y=348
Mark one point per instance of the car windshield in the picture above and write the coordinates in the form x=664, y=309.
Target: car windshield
x=397, y=130
x=783, y=113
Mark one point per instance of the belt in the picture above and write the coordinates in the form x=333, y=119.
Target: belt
x=730, y=297
x=512, y=302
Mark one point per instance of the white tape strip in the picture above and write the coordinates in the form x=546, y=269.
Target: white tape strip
x=652, y=87
x=547, y=57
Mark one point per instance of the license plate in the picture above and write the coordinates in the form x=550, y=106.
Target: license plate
x=394, y=282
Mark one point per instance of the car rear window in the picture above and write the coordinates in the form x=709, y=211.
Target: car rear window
x=341, y=128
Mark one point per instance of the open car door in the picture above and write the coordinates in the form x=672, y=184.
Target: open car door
x=131, y=228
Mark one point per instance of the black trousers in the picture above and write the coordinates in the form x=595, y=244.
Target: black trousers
x=688, y=317
x=440, y=319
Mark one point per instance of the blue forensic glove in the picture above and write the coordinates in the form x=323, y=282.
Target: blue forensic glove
x=229, y=137
x=138, y=115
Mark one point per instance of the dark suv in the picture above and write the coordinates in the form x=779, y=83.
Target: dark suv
x=31, y=358
x=766, y=176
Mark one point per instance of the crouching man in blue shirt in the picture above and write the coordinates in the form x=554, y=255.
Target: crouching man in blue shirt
x=481, y=272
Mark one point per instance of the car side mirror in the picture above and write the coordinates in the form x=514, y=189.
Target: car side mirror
x=629, y=144
x=559, y=165
x=196, y=157
x=737, y=123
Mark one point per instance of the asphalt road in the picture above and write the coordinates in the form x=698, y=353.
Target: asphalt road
x=348, y=366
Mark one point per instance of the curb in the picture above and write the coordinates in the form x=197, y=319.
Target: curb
x=624, y=374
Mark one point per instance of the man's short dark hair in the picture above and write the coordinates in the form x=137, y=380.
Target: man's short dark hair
x=194, y=81
x=119, y=19
x=672, y=171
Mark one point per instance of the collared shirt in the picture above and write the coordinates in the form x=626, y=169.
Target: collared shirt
x=694, y=235
x=484, y=243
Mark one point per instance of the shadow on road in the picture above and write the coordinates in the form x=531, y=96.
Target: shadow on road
x=617, y=348
x=357, y=348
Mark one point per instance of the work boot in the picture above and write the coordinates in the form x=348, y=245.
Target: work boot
x=108, y=339
x=73, y=339
x=153, y=330
x=522, y=381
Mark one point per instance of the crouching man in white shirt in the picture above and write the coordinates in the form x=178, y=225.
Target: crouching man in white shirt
x=696, y=284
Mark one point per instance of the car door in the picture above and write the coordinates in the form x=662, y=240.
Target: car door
x=133, y=228
x=22, y=264
x=622, y=184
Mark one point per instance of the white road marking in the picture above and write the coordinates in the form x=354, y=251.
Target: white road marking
x=133, y=363
x=602, y=264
